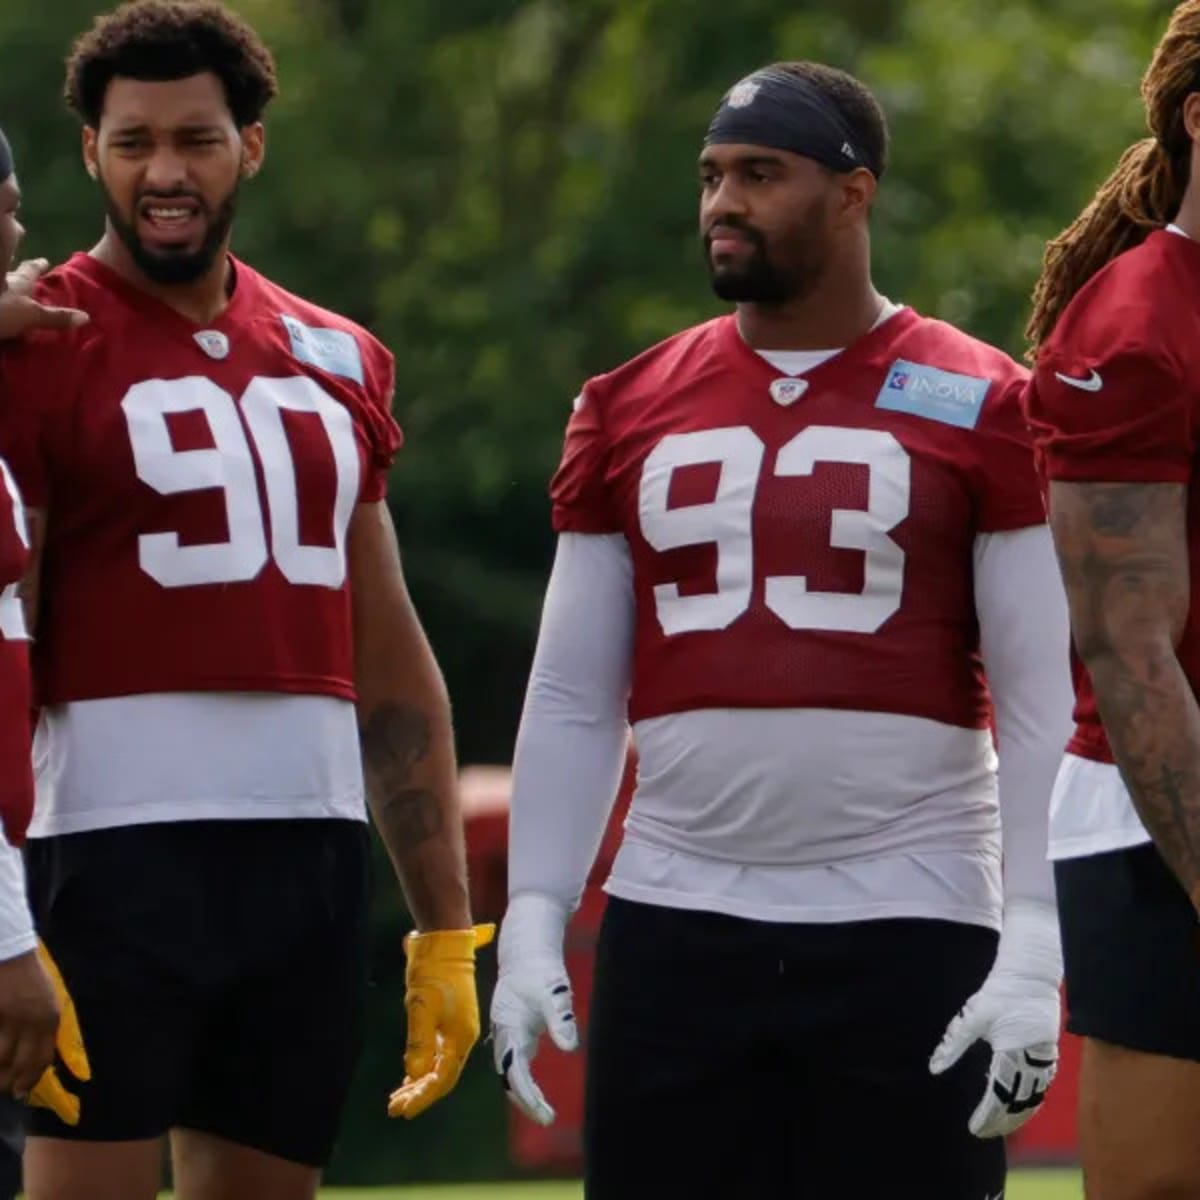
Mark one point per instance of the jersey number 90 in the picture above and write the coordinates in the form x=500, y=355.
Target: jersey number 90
x=229, y=466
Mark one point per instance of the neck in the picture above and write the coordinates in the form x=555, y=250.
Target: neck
x=1188, y=218
x=842, y=307
x=201, y=301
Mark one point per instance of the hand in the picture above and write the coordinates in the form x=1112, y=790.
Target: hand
x=532, y=994
x=20, y=312
x=443, y=1014
x=29, y=1014
x=49, y=1092
x=1017, y=1012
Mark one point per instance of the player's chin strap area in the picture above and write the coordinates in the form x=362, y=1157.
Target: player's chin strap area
x=1017, y=1012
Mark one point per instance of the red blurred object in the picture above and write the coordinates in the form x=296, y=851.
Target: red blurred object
x=485, y=793
x=1048, y=1138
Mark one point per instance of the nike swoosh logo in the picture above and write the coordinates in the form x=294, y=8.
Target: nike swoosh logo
x=1092, y=384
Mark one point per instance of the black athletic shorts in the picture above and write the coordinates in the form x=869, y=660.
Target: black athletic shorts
x=1131, y=948
x=739, y=1060
x=219, y=971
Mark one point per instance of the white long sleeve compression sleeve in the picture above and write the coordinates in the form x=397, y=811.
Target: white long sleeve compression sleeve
x=16, y=923
x=570, y=748
x=1024, y=639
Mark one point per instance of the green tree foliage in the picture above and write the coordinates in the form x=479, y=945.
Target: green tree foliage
x=504, y=191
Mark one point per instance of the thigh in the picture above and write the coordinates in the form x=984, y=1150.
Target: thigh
x=56, y=1169
x=207, y=1167
x=1131, y=949
x=875, y=1121
x=1138, y=1120
x=281, y=1046
x=680, y=1097
x=119, y=911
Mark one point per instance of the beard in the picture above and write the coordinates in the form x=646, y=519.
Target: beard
x=167, y=267
x=759, y=280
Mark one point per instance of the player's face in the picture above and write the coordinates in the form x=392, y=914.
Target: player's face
x=169, y=159
x=766, y=218
x=11, y=229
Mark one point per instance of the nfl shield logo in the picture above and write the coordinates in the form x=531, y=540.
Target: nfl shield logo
x=788, y=390
x=213, y=342
x=742, y=95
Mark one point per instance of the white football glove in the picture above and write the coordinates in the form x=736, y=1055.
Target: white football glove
x=1017, y=1012
x=532, y=994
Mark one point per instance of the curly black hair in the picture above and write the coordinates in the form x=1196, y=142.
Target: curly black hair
x=171, y=39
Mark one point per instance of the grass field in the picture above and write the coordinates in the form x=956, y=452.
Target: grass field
x=1023, y=1185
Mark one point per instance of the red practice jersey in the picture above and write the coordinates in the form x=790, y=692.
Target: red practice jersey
x=1115, y=398
x=804, y=542
x=198, y=484
x=16, y=729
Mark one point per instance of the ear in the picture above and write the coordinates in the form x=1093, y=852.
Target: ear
x=91, y=159
x=254, y=149
x=1191, y=116
x=856, y=194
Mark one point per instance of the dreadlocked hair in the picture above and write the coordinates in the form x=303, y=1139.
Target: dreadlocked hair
x=1142, y=194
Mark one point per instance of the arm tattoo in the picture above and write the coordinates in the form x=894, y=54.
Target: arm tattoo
x=395, y=740
x=1124, y=556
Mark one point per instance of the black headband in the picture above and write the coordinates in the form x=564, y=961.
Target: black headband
x=786, y=112
x=6, y=158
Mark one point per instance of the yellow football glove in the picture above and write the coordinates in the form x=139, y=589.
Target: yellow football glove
x=49, y=1092
x=443, y=1014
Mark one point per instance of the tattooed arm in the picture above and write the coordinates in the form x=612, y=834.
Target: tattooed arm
x=404, y=724
x=1124, y=557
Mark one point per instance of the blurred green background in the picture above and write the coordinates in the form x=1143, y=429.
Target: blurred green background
x=504, y=191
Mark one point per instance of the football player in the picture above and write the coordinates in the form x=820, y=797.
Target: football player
x=222, y=618
x=1115, y=404
x=32, y=1016
x=802, y=549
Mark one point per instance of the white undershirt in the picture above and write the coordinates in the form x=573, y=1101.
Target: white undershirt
x=136, y=760
x=16, y=922
x=846, y=855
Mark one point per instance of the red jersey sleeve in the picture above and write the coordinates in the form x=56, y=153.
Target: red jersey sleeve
x=580, y=497
x=1007, y=493
x=383, y=433
x=26, y=378
x=1121, y=417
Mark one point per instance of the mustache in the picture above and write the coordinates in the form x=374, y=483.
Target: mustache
x=735, y=225
x=173, y=194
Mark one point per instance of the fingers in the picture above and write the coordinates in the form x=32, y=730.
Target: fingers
x=558, y=1012
x=512, y=1062
x=50, y=1093
x=32, y=1056
x=1017, y=1084
x=422, y=1045
x=69, y=1039
x=69, y=1042
x=961, y=1034
x=23, y=276
x=44, y=316
x=420, y=1092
